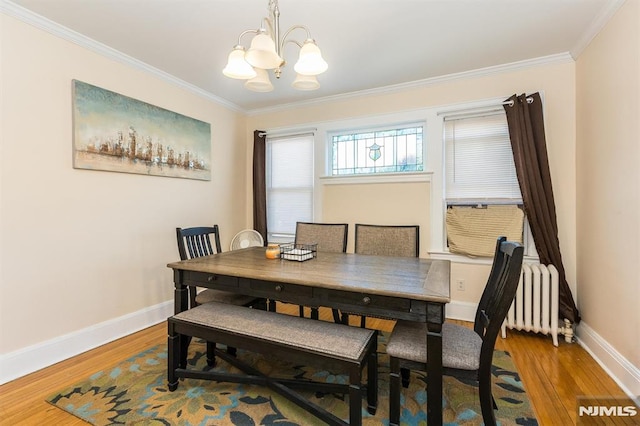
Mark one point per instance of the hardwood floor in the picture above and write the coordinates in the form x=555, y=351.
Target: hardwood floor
x=553, y=377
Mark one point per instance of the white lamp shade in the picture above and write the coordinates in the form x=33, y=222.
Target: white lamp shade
x=262, y=53
x=237, y=67
x=260, y=83
x=310, y=61
x=305, y=82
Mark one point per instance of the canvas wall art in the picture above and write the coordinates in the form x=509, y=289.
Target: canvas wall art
x=117, y=133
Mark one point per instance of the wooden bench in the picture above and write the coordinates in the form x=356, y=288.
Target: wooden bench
x=323, y=344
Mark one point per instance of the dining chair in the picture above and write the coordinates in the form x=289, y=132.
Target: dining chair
x=385, y=240
x=331, y=238
x=466, y=352
x=196, y=242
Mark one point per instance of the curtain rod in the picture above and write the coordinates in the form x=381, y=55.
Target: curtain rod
x=291, y=132
x=489, y=107
x=510, y=103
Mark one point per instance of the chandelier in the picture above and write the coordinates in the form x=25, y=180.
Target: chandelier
x=265, y=53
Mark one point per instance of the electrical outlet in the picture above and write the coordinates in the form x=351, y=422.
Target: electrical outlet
x=460, y=284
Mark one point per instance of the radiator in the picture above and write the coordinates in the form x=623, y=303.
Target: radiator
x=535, y=306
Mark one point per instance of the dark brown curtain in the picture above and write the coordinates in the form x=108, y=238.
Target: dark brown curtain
x=526, y=130
x=259, y=184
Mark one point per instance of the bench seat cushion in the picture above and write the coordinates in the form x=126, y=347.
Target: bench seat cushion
x=324, y=338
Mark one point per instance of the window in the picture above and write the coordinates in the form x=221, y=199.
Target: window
x=481, y=190
x=289, y=184
x=479, y=163
x=392, y=150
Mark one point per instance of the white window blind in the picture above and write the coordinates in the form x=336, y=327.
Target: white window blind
x=289, y=184
x=478, y=160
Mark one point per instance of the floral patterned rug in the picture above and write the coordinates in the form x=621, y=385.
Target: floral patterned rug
x=135, y=392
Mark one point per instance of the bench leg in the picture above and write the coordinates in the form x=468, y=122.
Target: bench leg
x=394, y=391
x=372, y=383
x=355, y=397
x=173, y=358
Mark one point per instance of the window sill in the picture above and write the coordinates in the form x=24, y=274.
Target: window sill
x=460, y=258
x=381, y=178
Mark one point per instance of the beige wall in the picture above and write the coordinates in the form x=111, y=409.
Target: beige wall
x=608, y=183
x=82, y=247
x=384, y=204
x=410, y=200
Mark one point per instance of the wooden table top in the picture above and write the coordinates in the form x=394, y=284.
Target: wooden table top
x=408, y=277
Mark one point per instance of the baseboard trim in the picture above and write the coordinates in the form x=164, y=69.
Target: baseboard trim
x=33, y=358
x=623, y=372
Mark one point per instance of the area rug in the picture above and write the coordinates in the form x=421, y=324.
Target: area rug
x=135, y=392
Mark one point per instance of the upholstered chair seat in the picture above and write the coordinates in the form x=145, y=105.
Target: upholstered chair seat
x=460, y=345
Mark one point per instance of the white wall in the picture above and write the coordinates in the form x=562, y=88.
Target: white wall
x=608, y=194
x=79, y=248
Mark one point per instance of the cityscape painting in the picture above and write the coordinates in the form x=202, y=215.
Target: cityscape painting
x=116, y=133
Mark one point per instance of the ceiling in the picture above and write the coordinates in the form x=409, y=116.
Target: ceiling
x=369, y=44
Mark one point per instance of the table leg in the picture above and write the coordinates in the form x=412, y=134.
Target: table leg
x=181, y=303
x=435, y=317
x=173, y=345
x=181, y=293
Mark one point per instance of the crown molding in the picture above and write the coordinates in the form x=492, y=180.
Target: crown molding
x=11, y=9
x=606, y=13
x=16, y=11
x=395, y=88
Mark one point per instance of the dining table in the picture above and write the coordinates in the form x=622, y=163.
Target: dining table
x=408, y=288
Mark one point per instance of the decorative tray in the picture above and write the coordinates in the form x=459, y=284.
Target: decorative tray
x=298, y=252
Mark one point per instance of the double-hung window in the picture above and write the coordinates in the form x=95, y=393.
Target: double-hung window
x=289, y=184
x=481, y=189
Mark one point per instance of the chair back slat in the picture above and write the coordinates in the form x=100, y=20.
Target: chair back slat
x=196, y=242
x=330, y=237
x=388, y=240
x=199, y=245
